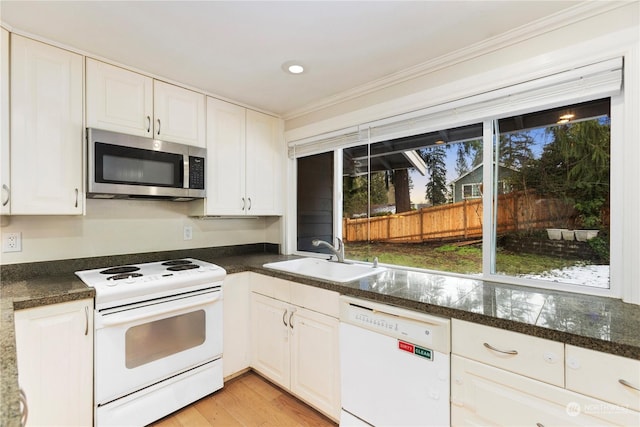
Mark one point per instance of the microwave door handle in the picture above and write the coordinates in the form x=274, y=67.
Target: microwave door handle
x=185, y=175
x=122, y=318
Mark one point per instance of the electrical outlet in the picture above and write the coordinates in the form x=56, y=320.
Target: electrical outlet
x=12, y=242
x=187, y=232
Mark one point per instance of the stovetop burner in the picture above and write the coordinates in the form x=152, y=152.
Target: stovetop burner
x=120, y=270
x=177, y=262
x=140, y=282
x=181, y=267
x=124, y=276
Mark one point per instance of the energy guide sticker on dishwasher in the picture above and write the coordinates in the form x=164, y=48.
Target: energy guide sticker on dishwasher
x=418, y=351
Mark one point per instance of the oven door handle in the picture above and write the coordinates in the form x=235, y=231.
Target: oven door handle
x=119, y=319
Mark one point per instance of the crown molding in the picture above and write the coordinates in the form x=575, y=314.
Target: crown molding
x=569, y=16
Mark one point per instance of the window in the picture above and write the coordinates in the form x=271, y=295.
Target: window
x=517, y=197
x=314, y=210
x=471, y=191
x=402, y=201
x=419, y=201
x=557, y=162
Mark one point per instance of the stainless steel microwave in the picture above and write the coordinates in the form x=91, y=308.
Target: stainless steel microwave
x=121, y=166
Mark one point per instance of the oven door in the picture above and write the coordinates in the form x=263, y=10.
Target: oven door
x=142, y=344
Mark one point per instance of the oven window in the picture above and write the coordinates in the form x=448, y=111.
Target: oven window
x=161, y=338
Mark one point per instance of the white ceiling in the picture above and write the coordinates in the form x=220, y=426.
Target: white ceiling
x=235, y=49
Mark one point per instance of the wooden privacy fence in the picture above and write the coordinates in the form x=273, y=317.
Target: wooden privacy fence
x=459, y=221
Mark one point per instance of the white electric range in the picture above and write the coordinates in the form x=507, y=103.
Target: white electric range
x=158, y=338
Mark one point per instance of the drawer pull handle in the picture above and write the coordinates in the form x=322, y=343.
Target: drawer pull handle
x=5, y=188
x=24, y=408
x=283, y=318
x=539, y=425
x=490, y=347
x=628, y=384
x=290, y=316
x=86, y=320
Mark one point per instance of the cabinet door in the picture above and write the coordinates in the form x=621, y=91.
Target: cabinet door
x=315, y=360
x=270, y=338
x=179, y=114
x=55, y=362
x=118, y=100
x=265, y=164
x=5, y=183
x=225, y=158
x=46, y=129
x=484, y=395
x=236, y=324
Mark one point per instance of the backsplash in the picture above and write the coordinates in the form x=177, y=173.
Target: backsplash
x=116, y=227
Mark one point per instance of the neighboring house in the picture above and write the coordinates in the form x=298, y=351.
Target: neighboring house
x=469, y=185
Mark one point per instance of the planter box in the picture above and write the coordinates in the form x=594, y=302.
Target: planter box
x=554, y=233
x=568, y=235
x=584, y=235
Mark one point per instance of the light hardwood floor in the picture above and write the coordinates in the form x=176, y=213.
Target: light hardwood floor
x=250, y=401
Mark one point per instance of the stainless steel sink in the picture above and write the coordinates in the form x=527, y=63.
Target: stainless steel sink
x=326, y=270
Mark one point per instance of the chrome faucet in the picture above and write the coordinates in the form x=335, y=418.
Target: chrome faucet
x=337, y=251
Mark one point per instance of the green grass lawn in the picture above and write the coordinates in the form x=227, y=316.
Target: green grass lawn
x=451, y=258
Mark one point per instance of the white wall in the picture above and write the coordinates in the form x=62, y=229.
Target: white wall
x=113, y=227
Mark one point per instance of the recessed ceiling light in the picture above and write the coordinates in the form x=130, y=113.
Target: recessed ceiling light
x=293, y=67
x=296, y=69
x=567, y=116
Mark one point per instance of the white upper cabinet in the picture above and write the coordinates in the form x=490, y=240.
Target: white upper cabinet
x=5, y=176
x=46, y=129
x=225, y=174
x=179, y=114
x=264, y=164
x=245, y=162
x=125, y=101
x=119, y=100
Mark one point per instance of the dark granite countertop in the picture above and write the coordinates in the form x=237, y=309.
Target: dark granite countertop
x=598, y=323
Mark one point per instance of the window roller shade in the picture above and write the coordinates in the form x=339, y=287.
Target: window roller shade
x=589, y=82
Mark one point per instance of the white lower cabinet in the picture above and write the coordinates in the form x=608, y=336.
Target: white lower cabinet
x=485, y=395
x=295, y=346
x=270, y=338
x=505, y=378
x=55, y=362
x=236, y=326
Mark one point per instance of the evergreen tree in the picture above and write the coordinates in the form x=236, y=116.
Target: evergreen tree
x=356, y=195
x=515, y=149
x=575, y=167
x=462, y=166
x=434, y=157
x=516, y=154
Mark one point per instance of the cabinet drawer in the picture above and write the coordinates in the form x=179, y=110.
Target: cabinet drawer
x=601, y=375
x=271, y=287
x=316, y=299
x=482, y=395
x=533, y=357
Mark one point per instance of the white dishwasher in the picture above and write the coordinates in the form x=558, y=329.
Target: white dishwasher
x=395, y=366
